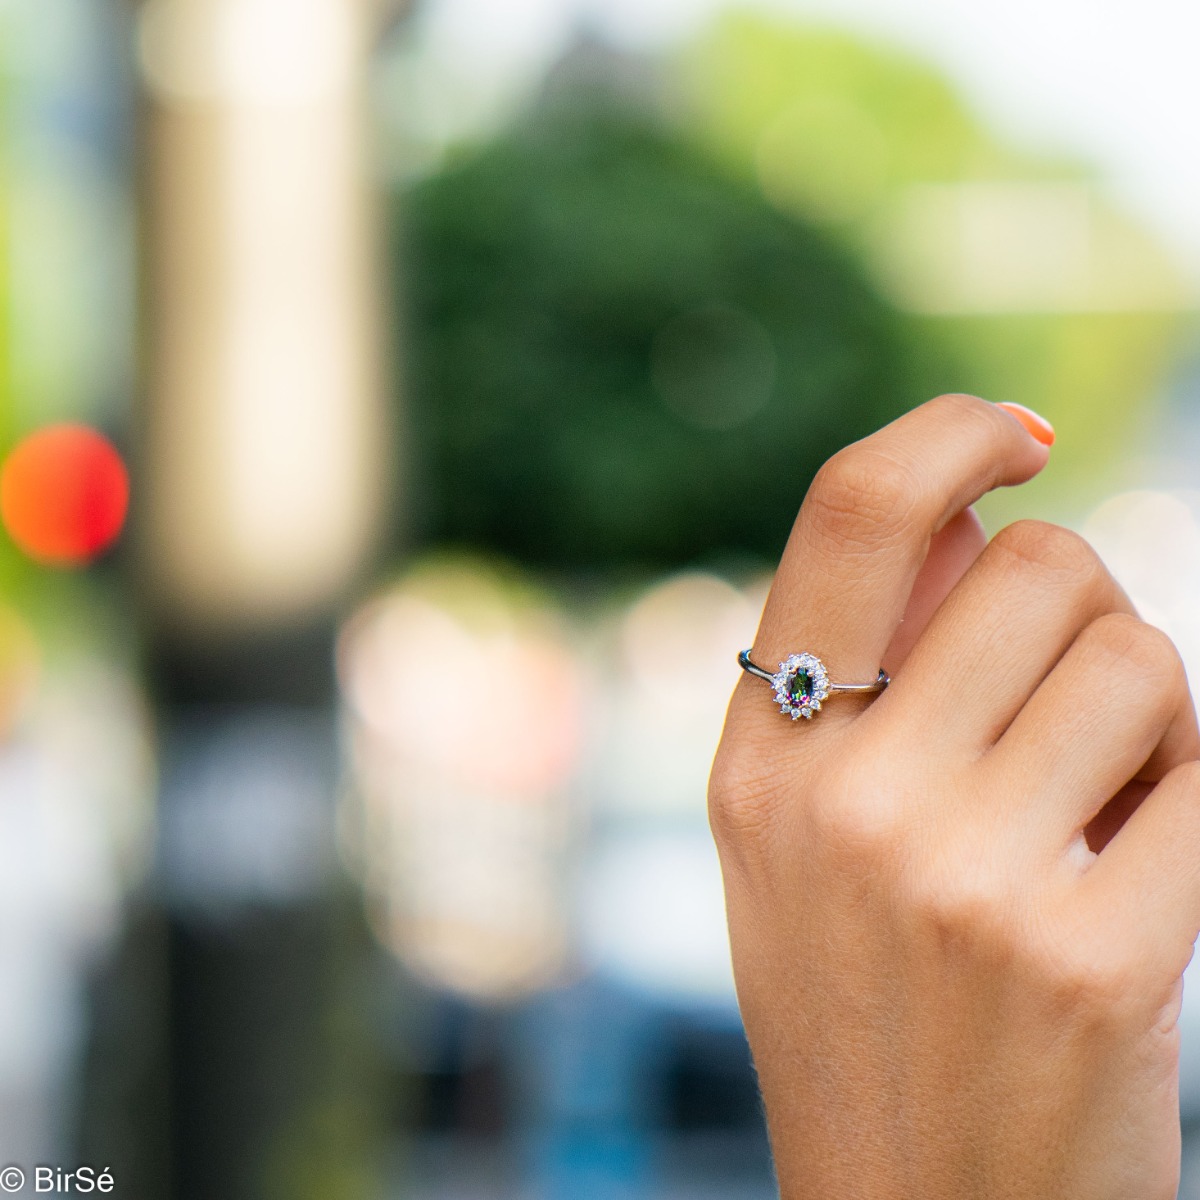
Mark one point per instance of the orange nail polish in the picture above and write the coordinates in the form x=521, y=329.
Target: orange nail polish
x=1038, y=427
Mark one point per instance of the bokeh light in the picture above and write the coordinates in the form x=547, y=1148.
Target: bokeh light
x=64, y=493
x=466, y=715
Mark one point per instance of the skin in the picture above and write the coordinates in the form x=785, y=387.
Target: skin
x=960, y=911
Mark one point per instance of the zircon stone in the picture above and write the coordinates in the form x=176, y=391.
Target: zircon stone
x=800, y=688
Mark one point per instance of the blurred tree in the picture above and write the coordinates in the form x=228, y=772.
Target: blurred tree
x=829, y=124
x=618, y=355
x=1048, y=293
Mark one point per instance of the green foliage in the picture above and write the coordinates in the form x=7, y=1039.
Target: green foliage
x=618, y=355
x=14, y=569
x=852, y=134
x=830, y=123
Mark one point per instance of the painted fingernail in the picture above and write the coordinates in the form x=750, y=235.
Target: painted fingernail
x=1038, y=427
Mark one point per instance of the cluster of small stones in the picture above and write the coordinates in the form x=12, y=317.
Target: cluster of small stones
x=800, y=685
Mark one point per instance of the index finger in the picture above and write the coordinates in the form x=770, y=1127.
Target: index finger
x=864, y=529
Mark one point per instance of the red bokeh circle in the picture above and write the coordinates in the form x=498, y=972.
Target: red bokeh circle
x=64, y=493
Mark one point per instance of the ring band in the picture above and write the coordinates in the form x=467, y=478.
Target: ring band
x=802, y=683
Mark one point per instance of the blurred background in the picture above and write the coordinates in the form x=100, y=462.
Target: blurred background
x=460, y=365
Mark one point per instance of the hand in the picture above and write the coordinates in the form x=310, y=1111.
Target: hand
x=960, y=913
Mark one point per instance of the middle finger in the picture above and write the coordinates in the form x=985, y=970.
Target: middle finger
x=999, y=634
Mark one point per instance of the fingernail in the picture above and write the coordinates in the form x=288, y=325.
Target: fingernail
x=1038, y=427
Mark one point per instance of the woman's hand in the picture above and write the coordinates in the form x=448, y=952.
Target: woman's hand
x=948, y=992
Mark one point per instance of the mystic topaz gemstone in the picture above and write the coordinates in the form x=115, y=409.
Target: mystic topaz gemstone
x=800, y=688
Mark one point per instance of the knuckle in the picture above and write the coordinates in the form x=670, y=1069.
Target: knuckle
x=858, y=822
x=1129, y=642
x=960, y=406
x=1083, y=974
x=967, y=906
x=741, y=802
x=1090, y=980
x=986, y=422
x=1050, y=549
x=861, y=496
x=859, y=830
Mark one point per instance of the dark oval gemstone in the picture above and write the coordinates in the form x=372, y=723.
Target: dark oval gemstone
x=799, y=688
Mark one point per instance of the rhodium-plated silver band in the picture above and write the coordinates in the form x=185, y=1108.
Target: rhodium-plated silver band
x=881, y=681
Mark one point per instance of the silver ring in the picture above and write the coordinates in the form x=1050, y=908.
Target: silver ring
x=802, y=683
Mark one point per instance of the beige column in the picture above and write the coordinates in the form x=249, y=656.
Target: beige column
x=267, y=436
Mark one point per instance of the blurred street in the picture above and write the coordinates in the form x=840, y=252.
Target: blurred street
x=402, y=409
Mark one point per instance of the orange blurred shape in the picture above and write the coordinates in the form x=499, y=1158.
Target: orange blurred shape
x=64, y=492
